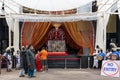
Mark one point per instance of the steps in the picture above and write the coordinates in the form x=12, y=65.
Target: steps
x=70, y=61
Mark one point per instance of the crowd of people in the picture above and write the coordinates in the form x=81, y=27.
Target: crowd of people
x=27, y=60
x=111, y=54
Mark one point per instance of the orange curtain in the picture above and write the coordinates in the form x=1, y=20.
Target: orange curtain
x=27, y=31
x=80, y=33
x=80, y=37
x=40, y=34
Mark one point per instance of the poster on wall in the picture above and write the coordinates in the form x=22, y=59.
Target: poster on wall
x=56, y=45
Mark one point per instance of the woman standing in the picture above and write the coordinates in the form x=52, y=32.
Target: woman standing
x=38, y=62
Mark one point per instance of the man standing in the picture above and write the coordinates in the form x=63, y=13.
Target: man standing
x=44, y=55
x=23, y=62
x=30, y=61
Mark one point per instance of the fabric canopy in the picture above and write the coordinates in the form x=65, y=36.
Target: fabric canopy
x=52, y=5
x=77, y=33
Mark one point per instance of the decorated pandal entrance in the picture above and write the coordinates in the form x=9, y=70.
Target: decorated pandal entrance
x=64, y=41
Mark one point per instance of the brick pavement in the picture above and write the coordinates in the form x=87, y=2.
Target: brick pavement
x=58, y=74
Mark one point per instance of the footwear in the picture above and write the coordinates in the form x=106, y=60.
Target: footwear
x=33, y=76
x=22, y=76
x=94, y=67
x=29, y=76
x=9, y=70
x=43, y=72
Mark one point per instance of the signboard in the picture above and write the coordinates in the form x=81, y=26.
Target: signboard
x=110, y=68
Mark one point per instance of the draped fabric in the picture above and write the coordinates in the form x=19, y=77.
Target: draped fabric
x=78, y=33
x=83, y=36
x=69, y=40
x=40, y=34
x=27, y=31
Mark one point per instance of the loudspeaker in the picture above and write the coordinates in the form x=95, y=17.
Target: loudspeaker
x=86, y=61
x=86, y=51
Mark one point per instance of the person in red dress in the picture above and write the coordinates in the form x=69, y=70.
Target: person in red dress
x=38, y=62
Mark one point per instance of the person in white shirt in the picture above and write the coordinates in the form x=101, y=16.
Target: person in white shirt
x=95, y=63
x=17, y=59
x=7, y=56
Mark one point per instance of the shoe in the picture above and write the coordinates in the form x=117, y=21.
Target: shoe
x=22, y=76
x=9, y=70
x=33, y=76
x=29, y=76
x=94, y=67
x=43, y=72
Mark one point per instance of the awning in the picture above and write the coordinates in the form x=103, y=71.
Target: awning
x=52, y=5
x=53, y=18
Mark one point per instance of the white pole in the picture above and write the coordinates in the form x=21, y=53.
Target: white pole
x=16, y=35
x=9, y=36
x=10, y=22
x=104, y=37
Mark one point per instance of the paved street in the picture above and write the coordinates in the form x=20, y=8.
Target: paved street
x=59, y=74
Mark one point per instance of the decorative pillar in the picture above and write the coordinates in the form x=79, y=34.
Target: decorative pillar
x=16, y=35
x=13, y=25
x=103, y=18
x=99, y=32
x=9, y=36
x=10, y=23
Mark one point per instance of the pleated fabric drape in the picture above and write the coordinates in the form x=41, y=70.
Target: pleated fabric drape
x=81, y=33
x=78, y=33
x=40, y=34
x=27, y=32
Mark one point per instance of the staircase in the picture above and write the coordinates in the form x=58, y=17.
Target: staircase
x=69, y=61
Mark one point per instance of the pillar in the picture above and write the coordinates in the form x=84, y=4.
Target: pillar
x=16, y=35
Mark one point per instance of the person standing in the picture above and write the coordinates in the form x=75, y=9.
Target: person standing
x=38, y=62
x=95, y=63
x=8, y=57
x=44, y=55
x=100, y=59
x=30, y=61
x=17, y=56
x=26, y=68
x=23, y=62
